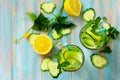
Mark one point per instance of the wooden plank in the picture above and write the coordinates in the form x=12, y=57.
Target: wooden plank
x=5, y=40
x=26, y=61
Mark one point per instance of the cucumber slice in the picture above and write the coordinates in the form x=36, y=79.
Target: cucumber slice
x=90, y=40
x=88, y=14
x=98, y=61
x=54, y=71
x=48, y=7
x=60, y=53
x=66, y=48
x=77, y=55
x=44, y=64
x=72, y=54
x=74, y=64
x=31, y=38
x=55, y=34
x=89, y=43
x=65, y=31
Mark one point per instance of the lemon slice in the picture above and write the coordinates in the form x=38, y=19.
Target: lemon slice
x=42, y=44
x=72, y=7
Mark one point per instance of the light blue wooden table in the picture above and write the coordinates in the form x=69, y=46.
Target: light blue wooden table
x=20, y=62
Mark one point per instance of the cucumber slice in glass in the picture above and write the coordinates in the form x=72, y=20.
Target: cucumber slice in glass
x=92, y=40
x=72, y=54
x=74, y=64
x=66, y=48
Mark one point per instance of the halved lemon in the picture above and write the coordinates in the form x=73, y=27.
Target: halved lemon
x=42, y=44
x=72, y=7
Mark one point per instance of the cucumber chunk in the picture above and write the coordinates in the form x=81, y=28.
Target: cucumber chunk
x=77, y=55
x=66, y=48
x=48, y=7
x=88, y=14
x=55, y=34
x=74, y=64
x=98, y=61
x=73, y=55
x=65, y=31
x=54, y=71
x=75, y=59
x=44, y=64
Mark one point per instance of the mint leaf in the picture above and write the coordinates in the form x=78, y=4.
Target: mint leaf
x=59, y=26
x=64, y=64
x=42, y=19
x=113, y=33
x=88, y=24
x=96, y=24
x=106, y=49
x=39, y=27
x=41, y=23
x=57, y=56
x=104, y=18
x=62, y=19
x=31, y=15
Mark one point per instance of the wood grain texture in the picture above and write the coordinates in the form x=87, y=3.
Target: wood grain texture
x=20, y=62
x=5, y=40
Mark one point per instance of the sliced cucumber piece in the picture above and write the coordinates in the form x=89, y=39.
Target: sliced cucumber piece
x=61, y=59
x=91, y=40
x=77, y=55
x=89, y=43
x=54, y=71
x=32, y=38
x=65, y=31
x=72, y=54
x=48, y=7
x=55, y=34
x=89, y=14
x=98, y=61
x=66, y=48
x=74, y=64
x=44, y=64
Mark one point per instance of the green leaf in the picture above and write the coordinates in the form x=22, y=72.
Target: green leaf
x=96, y=24
x=113, y=33
x=57, y=56
x=104, y=18
x=89, y=23
x=31, y=15
x=59, y=26
x=64, y=64
x=62, y=19
x=106, y=49
x=42, y=19
x=41, y=23
x=39, y=27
